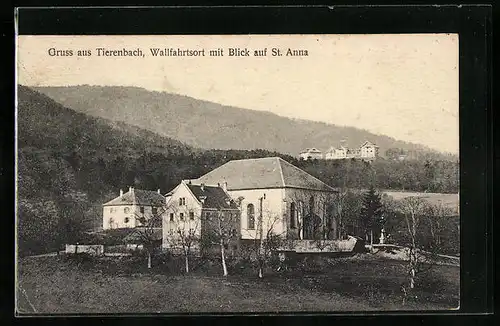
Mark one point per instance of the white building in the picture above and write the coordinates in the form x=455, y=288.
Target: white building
x=336, y=153
x=311, y=154
x=192, y=211
x=367, y=151
x=286, y=199
x=126, y=210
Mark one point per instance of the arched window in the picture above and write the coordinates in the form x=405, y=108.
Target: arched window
x=311, y=205
x=292, y=216
x=250, y=216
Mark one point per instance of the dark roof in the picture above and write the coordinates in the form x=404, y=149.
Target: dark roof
x=215, y=197
x=138, y=197
x=262, y=173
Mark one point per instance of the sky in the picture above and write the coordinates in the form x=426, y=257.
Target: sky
x=401, y=85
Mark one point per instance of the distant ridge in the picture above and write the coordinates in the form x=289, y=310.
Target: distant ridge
x=210, y=125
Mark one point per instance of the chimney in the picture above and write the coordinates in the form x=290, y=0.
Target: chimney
x=202, y=187
x=131, y=190
x=224, y=186
x=121, y=192
x=159, y=191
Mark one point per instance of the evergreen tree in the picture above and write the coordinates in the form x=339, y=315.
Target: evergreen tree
x=371, y=212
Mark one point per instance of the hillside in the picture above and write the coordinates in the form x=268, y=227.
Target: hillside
x=209, y=125
x=69, y=163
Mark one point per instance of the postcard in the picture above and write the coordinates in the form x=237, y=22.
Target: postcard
x=237, y=173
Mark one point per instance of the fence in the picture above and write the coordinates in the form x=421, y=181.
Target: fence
x=94, y=250
x=334, y=246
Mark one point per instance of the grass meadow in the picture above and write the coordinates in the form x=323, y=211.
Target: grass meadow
x=64, y=285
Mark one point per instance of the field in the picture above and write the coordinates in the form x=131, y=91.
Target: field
x=448, y=200
x=62, y=285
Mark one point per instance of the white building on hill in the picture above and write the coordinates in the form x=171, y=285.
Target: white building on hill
x=367, y=151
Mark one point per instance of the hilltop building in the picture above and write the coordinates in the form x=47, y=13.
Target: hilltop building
x=367, y=151
x=126, y=210
x=311, y=154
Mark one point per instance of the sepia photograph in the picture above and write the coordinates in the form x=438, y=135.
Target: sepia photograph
x=280, y=173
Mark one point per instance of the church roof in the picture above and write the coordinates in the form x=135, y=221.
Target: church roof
x=261, y=173
x=138, y=197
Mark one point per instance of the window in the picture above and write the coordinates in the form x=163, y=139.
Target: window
x=111, y=223
x=208, y=215
x=311, y=205
x=191, y=215
x=126, y=210
x=126, y=220
x=141, y=209
x=292, y=216
x=250, y=216
x=182, y=201
x=181, y=216
x=154, y=210
x=171, y=217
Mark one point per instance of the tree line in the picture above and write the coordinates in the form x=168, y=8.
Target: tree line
x=439, y=176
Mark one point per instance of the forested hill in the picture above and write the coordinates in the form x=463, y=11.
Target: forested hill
x=70, y=163
x=210, y=125
x=106, y=153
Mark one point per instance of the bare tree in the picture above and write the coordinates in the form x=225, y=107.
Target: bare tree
x=436, y=215
x=311, y=217
x=147, y=232
x=413, y=209
x=268, y=241
x=323, y=239
x=341, y=200
x=220, y=231
x=348, y=205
